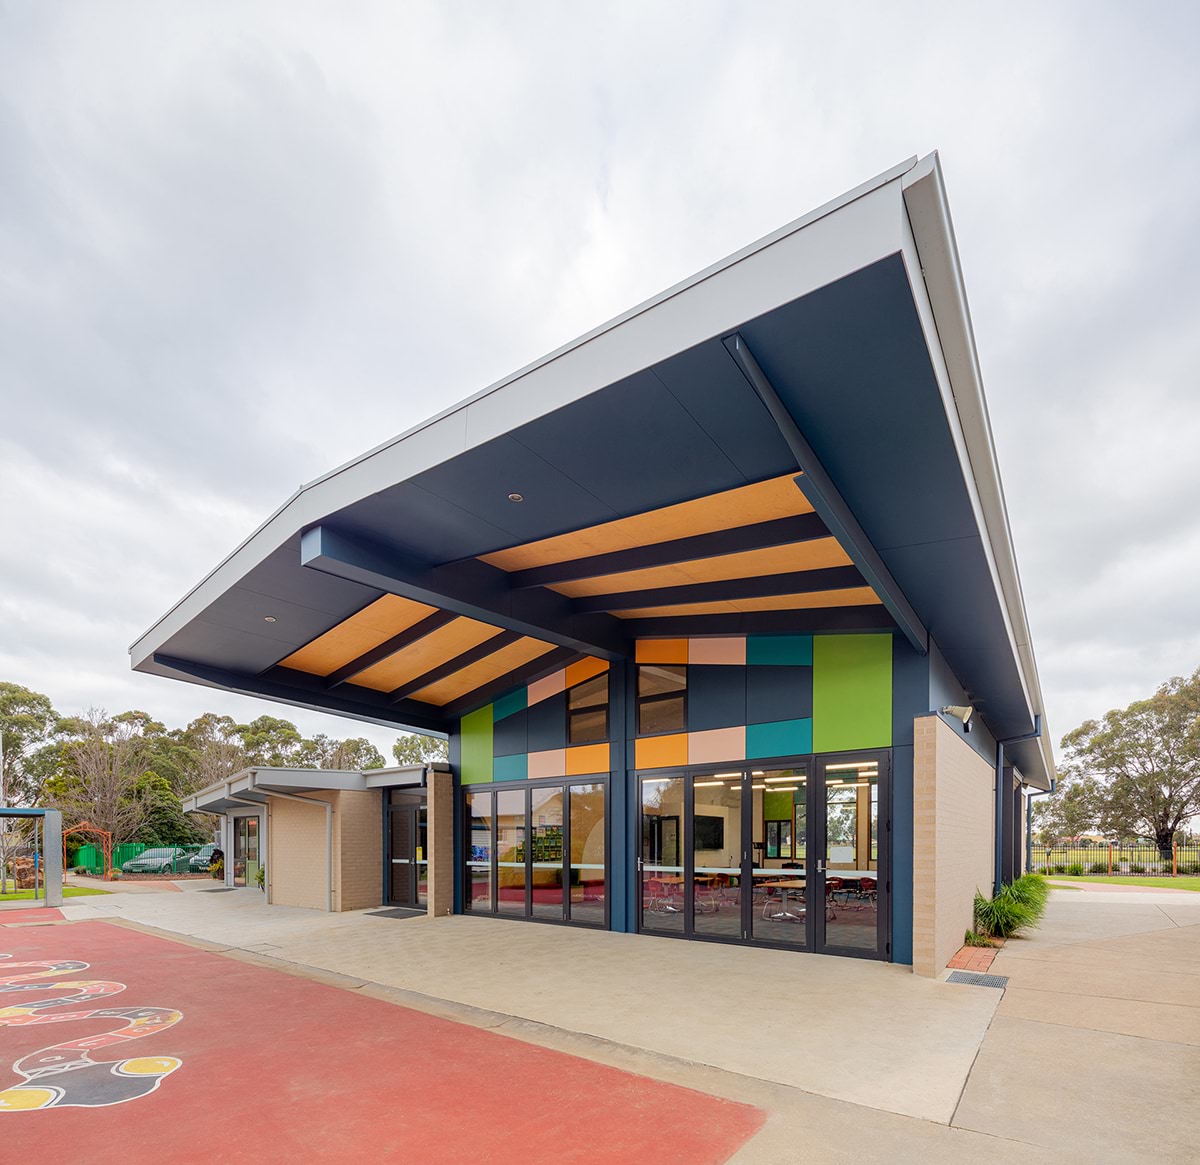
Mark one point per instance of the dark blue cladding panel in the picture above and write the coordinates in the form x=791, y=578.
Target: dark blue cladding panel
x=421, y=524
x=633, y=446
x=510, y=736
x=224, y=647
x=480, y=481
x=548, y=723
x=280, y=575
x=716, y=696
x=850, y=363
x=707, y=382
x=778, y=693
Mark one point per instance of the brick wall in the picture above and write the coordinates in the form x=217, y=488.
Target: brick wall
x=953, y=839
x=296, y=852
x=296, y=870
x=440, y=807
x=358, y=849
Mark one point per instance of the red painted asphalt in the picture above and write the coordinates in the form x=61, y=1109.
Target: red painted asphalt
x=280, y=1069
x=37, y=914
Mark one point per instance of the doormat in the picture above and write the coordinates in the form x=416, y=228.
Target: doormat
x=977, y=980
x=397, y=912
x=220, y=890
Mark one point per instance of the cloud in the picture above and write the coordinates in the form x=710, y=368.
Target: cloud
x=240, y=244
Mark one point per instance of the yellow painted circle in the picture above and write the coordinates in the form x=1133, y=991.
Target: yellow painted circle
x=150, y=1066
x=18, y=1099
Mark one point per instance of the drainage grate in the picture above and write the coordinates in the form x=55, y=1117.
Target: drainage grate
x=977, y=980
x=397, y=912
x=220, y=890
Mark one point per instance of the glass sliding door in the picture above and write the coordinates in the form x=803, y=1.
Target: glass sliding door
x=793, y=857
x=852, y=920
x=481, y=848
x=538, y=852
x=546, y=817
x=716, y=855
x=587, y=873
x=779, y=910
x=512, y=880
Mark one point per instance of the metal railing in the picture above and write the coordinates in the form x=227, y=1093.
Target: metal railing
x=147, y=860
x=1115, y=860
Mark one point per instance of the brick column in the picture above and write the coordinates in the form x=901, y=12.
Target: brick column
x=440, y=808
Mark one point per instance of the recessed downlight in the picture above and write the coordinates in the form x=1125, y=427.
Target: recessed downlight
x=516, y=497
x=268, y=618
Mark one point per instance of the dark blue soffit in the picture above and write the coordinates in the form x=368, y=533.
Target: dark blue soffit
x=850, y=363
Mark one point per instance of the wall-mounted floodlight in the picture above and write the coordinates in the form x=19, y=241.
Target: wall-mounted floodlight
x=962, y=712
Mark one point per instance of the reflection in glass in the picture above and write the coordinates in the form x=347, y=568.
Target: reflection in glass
x=546, y=815
x=662, y=854
x=779, y=906
x=510, y=851
x=587, y=854
x=479, y=852
x=852, y=849
x=660, y=698
x=587, y=711
x=717, y=850
x=422, y=856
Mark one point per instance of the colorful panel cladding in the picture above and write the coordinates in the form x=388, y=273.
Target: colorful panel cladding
x=524, y=734
x=748, y=698
x=760, y=696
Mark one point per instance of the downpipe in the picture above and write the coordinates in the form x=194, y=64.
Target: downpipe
x=998, y=878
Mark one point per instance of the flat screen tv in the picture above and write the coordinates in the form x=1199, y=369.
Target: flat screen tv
x=710, y=832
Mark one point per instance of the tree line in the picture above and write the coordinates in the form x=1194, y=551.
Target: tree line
x=128, y=773
x=1134, y=773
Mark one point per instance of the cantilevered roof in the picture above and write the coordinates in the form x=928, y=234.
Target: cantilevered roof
x=252, y=786
x=794, y=439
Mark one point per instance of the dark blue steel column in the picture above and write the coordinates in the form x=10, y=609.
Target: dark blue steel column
x=460, y=857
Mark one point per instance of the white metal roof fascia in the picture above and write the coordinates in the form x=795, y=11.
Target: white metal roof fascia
x=265, y=779
x=843, y=236
x=942, y=289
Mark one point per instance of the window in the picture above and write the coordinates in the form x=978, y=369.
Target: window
x=661, y=698
x=587, y=711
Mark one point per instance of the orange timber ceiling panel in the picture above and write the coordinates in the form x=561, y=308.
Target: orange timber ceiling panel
x=417, y=658
x=477, y=674
x=779, y=497
x=373, y=625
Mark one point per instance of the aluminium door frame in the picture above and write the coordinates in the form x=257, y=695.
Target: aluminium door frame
x=815, y=920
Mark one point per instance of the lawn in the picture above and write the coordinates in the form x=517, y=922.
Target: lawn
x=68, y=892
x=1188, y=883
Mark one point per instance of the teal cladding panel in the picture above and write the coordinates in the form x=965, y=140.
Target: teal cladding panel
x=794, y=650
x=779, y=738
x=512, y=768
x=513, y=702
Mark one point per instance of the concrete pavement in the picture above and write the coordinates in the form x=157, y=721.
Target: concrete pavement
x=1091, y=1052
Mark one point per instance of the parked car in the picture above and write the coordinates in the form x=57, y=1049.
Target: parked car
x=163, y=860
x=199, y=862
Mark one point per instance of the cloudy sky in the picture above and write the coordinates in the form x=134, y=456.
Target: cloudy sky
x=236, y=240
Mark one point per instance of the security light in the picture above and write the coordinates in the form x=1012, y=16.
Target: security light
x=963, y=712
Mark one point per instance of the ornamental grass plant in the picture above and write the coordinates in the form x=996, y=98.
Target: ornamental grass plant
x=1016, y=907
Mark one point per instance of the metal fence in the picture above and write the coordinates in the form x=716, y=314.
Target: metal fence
x=150, y=860
x=1116, y=860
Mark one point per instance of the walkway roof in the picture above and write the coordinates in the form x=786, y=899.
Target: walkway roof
x=795, y=438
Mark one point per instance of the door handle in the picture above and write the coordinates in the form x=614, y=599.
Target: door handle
x=820, y=865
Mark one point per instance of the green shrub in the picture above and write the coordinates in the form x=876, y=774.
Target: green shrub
x=1098, y=868
x=1137, y=869
x=1075, y=869
x=971, y=939
x=1058, y=869
x=1016, y=907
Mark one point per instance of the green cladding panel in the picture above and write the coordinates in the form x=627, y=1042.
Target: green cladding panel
x=476, y=729
x=852, y=692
